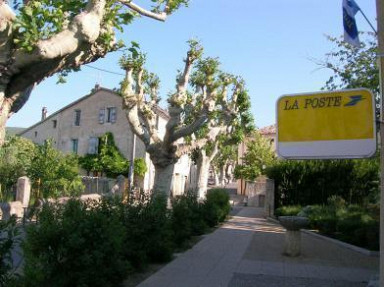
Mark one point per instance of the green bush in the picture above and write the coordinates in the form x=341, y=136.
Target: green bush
x=312, y=182
x=216, y=206
x=9, y=238
x=350, y=223
x=149, y=236
x=288, y=210
x=187, y=217
x=78, y=244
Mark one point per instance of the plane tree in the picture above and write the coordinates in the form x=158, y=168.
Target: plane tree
x=192, y=113
x=39, y=38
x=232, y=119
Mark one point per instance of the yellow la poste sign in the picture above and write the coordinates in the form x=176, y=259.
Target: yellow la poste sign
x=337, y=124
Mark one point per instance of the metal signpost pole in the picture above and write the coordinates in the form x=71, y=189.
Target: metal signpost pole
x=380, y=33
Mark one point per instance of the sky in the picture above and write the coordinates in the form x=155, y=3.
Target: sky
x=270, y=43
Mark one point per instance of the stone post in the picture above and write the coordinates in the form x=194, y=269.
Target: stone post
x=121, y=184
x=293, y=224
x=23, y=192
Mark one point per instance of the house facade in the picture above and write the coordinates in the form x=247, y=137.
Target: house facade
x=77, y=127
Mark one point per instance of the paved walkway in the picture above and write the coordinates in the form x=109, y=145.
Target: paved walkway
x=246, y=252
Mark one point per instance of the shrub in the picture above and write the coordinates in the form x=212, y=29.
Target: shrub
x=187, y=217
x=216, y=206
x=315, y=181
x=9, y=238
x=288, y=210
x=149, y=236
x=79, y=244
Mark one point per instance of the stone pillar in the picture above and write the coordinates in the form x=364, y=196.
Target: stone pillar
x=121, y=184
x=23, y=192
x=293, y=224
x=292, y=247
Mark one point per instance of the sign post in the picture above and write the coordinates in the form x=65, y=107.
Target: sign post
x=326, y=125
x=380, y=33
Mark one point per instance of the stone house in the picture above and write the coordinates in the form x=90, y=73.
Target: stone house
x=76, y=128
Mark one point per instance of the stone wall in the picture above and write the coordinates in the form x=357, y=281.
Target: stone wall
x=260, y=193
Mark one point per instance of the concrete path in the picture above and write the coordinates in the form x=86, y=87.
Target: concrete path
x=246, y=252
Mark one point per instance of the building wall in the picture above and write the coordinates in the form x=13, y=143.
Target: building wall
x=66, y=131
x=89, y=126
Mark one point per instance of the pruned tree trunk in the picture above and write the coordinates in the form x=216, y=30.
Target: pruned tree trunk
x=203, y=164
x=217, y=179
x=222, y=176
x=163, y=180
x=5, y=109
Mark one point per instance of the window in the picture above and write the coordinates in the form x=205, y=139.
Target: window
x=54, y=123
x=111, y=115
x=101, y=115
x=77, y=117
x=75, y=145
x=93, y=146
x=35, y=134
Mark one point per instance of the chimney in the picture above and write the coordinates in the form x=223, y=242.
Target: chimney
x=43, y=113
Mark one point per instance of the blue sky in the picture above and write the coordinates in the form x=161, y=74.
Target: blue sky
x=270, y=43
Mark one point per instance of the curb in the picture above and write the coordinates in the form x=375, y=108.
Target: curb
x=343, y=244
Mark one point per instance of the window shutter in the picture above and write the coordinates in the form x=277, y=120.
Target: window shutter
x=101, y=116
x=113, y=115
x=93, y=146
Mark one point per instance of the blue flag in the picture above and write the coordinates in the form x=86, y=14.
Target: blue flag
x=351, y=35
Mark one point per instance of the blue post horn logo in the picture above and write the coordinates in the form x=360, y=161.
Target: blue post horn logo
x=354, y=100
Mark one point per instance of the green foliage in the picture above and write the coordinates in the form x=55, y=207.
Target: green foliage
x=353, y=67
x=149, y=235
x=289, y=210
x=9, y=238
x=15, y=158
x=97, y=243
x=42, y=19
x=216, y=206
x=314, y=181
x=139, y=167
x=187, y=217
x=77, y=244
x=109, y=159
x=54, y=173
x=350, y=223
x=257, y=159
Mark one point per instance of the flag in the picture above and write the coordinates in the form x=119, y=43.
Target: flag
x=351, y=35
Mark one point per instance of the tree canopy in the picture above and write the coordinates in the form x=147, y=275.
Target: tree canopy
x=39, y=38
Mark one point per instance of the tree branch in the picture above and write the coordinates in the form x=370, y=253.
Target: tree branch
x=185, y=148
x=214, y=152
x=157, y=16
x=130, y=104
x=84, y=28
x=191, y=128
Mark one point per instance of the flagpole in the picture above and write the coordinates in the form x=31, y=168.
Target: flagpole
x=380, y=29
x=369, y=22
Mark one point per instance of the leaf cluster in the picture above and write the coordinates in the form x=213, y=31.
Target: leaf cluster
x=54, y=173
x=258, y=157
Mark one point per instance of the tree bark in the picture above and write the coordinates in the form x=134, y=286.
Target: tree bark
x=222, y=175
x=5, y=108
x=203, y=164
x=163, y=180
